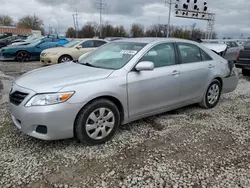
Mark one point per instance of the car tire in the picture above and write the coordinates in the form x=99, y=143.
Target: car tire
x=65, y=58
x=22, y=56
x=212, y=95
x=245, y=72
x=97, y=122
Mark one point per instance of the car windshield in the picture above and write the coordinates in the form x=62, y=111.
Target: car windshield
x=36, y=42
x=71, y=44
x=113, y=55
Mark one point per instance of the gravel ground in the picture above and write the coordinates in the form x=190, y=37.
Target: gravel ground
x=188, y=147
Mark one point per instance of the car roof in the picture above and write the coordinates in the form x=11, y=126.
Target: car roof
x=153, y=40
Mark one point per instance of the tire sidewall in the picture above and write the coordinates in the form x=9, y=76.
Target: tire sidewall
x=60, y=59
x=206, y=95
x=83, y=116
x=22, y=60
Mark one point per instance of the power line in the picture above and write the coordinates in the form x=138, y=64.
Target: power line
x=101, y=5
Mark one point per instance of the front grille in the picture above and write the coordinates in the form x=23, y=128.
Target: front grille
x=17, y=97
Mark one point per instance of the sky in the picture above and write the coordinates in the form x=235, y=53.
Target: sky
x=231, y=15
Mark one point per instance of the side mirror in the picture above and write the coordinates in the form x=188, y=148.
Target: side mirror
x=37, y=46
x=78, y=47
x=145, y=66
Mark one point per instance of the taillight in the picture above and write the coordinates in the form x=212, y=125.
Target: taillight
x=238, y=54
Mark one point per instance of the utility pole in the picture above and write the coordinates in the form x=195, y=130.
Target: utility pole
x=101, y=5
x=75, y=19
x=170, y=3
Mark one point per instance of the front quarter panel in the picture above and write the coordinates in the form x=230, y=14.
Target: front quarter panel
x=113, y=86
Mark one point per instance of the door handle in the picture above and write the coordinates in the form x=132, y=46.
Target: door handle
x=175, y=73
x=210, y=66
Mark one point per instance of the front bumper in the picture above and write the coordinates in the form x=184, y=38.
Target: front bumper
x=58, y=119
x=2, y=58
x=50, y=60
x=230, y=82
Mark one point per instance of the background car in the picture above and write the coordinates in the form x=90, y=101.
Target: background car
x=6, y=41
x=71, y=51
x=232, y=50
x=31, y=51
x=115, y=84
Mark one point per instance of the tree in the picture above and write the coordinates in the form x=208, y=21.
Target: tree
x=119, y=31
x=71, y=33
x=137, y=30
x=108, y=30
x=30, y=22
x=88, y=30
x=6, y=20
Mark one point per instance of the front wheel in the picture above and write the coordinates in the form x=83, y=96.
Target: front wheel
x=22, y=56
x=97, y=122
x=64, y=58
x=212, y=95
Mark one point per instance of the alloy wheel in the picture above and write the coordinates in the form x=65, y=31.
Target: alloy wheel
x=100, y=123
x=213, y=94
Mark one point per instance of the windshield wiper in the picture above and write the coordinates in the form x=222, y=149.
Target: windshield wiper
x=89, y=65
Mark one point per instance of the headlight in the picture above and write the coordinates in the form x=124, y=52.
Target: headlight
x=49, y=99
x=51, y=53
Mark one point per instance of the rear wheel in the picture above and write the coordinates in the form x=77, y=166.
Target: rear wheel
x=22, y=56
x=246, y=72
x=97, y=122
x=65, y=58
x=212, y=95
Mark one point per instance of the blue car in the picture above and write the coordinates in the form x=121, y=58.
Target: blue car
x=32, y=51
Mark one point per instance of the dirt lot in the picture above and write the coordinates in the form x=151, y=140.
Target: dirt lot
x=188, y=147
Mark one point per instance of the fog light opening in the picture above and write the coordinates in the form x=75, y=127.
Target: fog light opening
x=42, y=129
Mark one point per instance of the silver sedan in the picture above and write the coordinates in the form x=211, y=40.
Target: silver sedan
x=117, y=83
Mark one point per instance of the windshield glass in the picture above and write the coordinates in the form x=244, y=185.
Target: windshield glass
x=112, y=55
x=71, y=44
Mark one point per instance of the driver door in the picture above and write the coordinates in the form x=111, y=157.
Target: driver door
x=86, y=46
x=150, y=91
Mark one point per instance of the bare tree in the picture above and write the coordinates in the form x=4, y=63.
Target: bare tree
x=70, y=33
x=6, y=20
x=137, y=30
x=30, y=22
x=88, y=30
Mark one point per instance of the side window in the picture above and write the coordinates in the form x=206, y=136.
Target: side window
x=205, y=56
x=99, y=43
x=88, y=44
x=161, y=55
x=229, y=44
x=47, y=39
x=55, y=39
x=234, y=44
x=189, y=53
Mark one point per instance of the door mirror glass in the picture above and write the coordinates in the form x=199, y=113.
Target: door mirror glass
x=145, y=66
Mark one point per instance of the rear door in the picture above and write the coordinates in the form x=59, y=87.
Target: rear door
x=196, y=71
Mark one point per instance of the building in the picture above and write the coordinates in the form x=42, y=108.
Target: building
x=18, y=31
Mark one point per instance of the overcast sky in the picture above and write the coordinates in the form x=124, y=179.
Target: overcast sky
x=232, y=16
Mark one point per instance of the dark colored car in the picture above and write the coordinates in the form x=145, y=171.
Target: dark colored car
x=243, y=59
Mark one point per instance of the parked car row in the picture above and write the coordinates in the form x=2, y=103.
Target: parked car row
x=31, y=50
x=117, y=83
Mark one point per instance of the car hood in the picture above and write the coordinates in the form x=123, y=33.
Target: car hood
x=215, y=47
x=56, y=77
x=57, y=50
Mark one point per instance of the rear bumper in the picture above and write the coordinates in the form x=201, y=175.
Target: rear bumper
x=230, y=82
x=242, y=65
